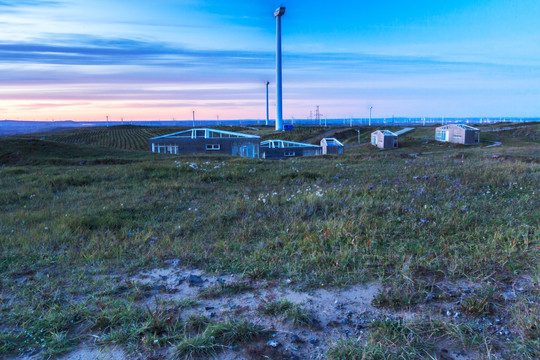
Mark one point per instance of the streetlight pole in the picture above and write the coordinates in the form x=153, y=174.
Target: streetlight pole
x=370, y=108
x=267, y=114
x=280, y=11
x=193, y=118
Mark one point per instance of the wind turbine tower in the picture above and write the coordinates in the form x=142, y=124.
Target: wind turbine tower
x=280, y=11
x=267, y=116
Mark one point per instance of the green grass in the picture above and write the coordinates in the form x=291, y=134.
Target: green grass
x=287, y=310
x=217, y=337
x=71, y=233
x=397, y=339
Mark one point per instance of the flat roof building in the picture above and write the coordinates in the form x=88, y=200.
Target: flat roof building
x=282, y=149
x=207, y=141
x=331, y=146
x=458, y=134
x=384, y=139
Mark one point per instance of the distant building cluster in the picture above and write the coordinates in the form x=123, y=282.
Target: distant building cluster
x=212, y=141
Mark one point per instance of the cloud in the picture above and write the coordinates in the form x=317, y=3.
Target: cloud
x=23, y=3
x=96, y=51
x=85, y=50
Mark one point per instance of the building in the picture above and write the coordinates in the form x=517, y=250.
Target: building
x=384, y=139
x=282, y=149
x=458, y=133
x=207, y=141
x=331, y=146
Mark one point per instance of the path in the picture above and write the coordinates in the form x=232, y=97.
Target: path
x=495, y=143
x=403, y=131
x=321, y=136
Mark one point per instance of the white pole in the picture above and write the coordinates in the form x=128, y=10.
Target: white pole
x=371, y=107
x=267, y=114
x=279, y=106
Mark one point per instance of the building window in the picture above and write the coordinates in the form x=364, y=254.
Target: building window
x=441, y=136
x=374, y=140
x=457, y=136
x=213, y=147
x=289, y=153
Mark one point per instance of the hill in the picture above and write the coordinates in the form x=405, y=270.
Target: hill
x=426, y=252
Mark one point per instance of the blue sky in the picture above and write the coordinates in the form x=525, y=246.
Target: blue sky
x=74, y=59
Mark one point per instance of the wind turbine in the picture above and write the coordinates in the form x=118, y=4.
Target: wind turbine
x=267, y=116
x=280, y=11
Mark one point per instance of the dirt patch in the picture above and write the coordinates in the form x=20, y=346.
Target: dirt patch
x=336, y=313
x=85, y=352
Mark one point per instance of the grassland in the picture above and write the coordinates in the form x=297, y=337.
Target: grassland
x=80, y=219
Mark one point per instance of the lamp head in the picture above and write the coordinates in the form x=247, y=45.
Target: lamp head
x=279, y=11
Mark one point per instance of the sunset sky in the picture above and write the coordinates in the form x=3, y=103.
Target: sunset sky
x=162, y=59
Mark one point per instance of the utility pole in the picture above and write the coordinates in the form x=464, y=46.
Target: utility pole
x=193, y=118
x=370, y=108
x=280, y=11
x=107, y=120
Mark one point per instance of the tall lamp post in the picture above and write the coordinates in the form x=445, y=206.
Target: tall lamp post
x=267, y=116
x=370, y=108
x=280, y=11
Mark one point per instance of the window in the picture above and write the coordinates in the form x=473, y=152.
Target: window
x=289, y=153
x=457, y=136
x=374, y=140
x=441, y=135
x=213, y=147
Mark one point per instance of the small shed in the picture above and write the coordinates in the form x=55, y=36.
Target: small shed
x=384, y=139
x=458, y=133
x=207, y=141
x=331, y=146
x=282, y=149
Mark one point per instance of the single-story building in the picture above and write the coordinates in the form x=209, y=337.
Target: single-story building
x=282, y=149
x=207, y=141
x=331, y=146
x=458, y=133
x=384, y=139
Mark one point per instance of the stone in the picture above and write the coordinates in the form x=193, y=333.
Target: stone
x=273, y=343
x=194, y=280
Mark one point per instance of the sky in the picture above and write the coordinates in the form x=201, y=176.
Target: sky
x=163, y=59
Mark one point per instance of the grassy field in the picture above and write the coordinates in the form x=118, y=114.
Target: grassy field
x=433, y=225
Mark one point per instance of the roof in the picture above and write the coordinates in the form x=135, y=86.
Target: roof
x=387, y=133
x=204, y=133
x=285, y=144
x=332, y=142
x=466, y=127
x=462, y=126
